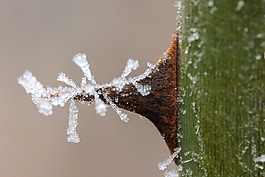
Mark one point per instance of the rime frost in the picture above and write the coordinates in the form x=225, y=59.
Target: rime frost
x=71, y=131
x=31, y=85
x=133, y=65
x=240, y=4
x=47, y=97
x=172, y=173
x=163, y=165
x=260, y=159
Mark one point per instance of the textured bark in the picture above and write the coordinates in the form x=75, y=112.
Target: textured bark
x=222, y=85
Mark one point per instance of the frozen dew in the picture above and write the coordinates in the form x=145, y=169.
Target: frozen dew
x=258, y=57
x=194, y=35
x=89, y=90
x=72, y=124
x=119, y=83
x=240, y=5
x=163, y=165
x=146, y=74
x=172, y=173
x=262, y=138
x=143, y=89
x=210, y=3
x=44, y=106
x=100, y=106
x=150, y=65
x=30, y=84
x=260, y=35
x=122, y=116
x=131, y=65
x=63, y=78
x=213, y=10
x=81, y=61
x=35, y=88
x=260, y=159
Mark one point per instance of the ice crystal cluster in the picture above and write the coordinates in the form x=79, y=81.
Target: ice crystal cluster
x=46, y=98
x=163, y=165
x=259, y=160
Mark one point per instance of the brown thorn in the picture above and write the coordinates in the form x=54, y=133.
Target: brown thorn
x=160, y=106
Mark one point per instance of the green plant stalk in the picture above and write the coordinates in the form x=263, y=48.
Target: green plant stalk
x=222, y=87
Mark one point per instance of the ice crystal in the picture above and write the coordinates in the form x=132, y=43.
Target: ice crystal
x=123, y=116
x=88, y=90
x=71, y=131
x=240, y=5
x=63, y=78
x=163, y=165
x=30, y=83
x=133, y=65
x=260, y=159
x=81, y=61
x=172, y=173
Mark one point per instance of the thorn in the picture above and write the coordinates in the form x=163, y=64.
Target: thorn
x=160, y=106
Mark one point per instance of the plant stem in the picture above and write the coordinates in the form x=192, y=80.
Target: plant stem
x=222, y=84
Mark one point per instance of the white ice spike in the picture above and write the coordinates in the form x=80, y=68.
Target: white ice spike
x=72, y=124
x=81, y=61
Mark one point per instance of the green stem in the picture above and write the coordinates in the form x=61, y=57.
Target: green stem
x=222, y=84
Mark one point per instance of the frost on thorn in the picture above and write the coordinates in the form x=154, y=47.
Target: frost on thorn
x=80, y=60
x=88, y=91
x=172, y=173
x=72, y=124
x=63, y=78
x=163, y=165
x=100, y=106
x=152, y=94
x=35, y=88
x=131, y=65
x=30, y=83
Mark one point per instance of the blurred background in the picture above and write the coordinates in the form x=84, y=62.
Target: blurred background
x=42, y=36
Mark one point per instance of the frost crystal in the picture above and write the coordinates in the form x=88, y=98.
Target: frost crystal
x=72, y=124
x=240, y=4
x=123, y=116
x=172, y=173
x=80, y=60
x=131, y=65
x=89, y=91
x=260, y=159
x=31, y=85
x=162, y=166
x=63, y=78
x=143, y=89
x=100, y=106
x=175, y=172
